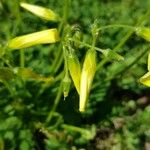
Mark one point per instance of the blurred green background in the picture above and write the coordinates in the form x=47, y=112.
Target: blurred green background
x=118, y=112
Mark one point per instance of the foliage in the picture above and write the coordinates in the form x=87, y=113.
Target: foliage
x=34, y=114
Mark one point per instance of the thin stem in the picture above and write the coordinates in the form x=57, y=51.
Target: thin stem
x=56, y=102
x=87, y=45
x=65, y=14
x=59, y=58
x=140, y=55
x=65, y=60
x=59, y=77
x=140, y=22
x=116, y=26
x=123, y=41
x=66, y=10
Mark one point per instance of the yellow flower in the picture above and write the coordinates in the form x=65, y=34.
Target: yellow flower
x=42, y=37
x=145, y=79
x=42, y=12
x=143, y=32
x=87, y=75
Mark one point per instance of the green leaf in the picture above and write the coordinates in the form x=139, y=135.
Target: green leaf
x=29, y=74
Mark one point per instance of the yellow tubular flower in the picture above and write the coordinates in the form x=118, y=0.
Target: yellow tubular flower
x=145, y=79
x=148, y=66
x=75, y=70
x=42, y=12
x=42, y=37
x=143, y=32
x=87, y=75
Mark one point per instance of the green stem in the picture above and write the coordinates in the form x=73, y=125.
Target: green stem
x=56, y=102
x=87, y=45
x=65, y=60
x=66, y=10
x=140, y=55
x=123, y=41
x=116, y=26
x=59, y=58
x=140, y=22
x=59, y=77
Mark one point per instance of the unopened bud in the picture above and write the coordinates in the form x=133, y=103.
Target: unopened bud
x=42, y=12
x=66, y=85
x=42, y=37
x=87, y=75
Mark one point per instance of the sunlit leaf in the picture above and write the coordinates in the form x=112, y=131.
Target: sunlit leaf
x=28, y=74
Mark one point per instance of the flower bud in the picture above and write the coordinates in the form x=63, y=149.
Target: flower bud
x=143, y=32
x=66, y=85
x=75, y=70
x=87, y=75
x=42, y=12
x=42, y=37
